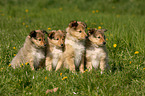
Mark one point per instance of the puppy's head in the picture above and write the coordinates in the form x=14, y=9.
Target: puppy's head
x=38, y=38
x=57, y=38
x=97, y=37
x=77, y=29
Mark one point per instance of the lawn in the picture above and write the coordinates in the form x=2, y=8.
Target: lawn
x=125, y=22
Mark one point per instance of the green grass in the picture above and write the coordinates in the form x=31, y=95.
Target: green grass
x=124, y=20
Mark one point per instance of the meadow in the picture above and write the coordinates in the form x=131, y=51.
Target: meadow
x=125, y=22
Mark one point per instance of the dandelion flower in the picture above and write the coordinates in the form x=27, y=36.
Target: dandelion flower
x=22, y=64
x=101, y=23
x=14, y=54
x=23, y=23
x=129, y=62
x=14, y=47
x=49, y=28
x=45, y=77
x=93, y=11
x=97, y=11
x=143, y=68
x=99, y=27
x=60, y=8
x=26, y=63
x=136, y=52
x=9, y=65
x=26, y=10
x=107, y=39
x=64, y=78
x=26, y=26
x=60, y=74
x=114, y=45
x=88, y=28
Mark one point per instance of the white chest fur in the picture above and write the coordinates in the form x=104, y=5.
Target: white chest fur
x=78, y=49
x=56, y=54
x=96, y=54
x=38, y=56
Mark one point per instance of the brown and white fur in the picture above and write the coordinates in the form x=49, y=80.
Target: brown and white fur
x=75, y=46
x=32, y=52
x=96, y=54
x=55, y=49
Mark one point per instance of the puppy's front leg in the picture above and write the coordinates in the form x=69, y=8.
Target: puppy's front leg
x=103, y=64
x=70, y=62
x=32, y=64
x=48, y=63
x=59, y=64
x=82, y=65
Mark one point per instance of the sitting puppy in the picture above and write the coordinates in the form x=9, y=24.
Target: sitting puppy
x=96, y=54
x=75, y=46
x=33, y=51
x=54, y=55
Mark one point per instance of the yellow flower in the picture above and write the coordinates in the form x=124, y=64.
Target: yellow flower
x=64, y=78
x=23, y=23
x=26, y=26
x=129, y=62
x=14, y=54
x=136, y=52
x=60, y=74
x=97, y=11
x=14, y=47
x=143, y=68
x=45, y=77
x=118, y=15
x=60, y=8
x=107, y=39
x=49, y=28
x=26, y=63
x=114, y=45
x=93, y=11
x=101, y=23
x=113, y=7
x=88, y=28
x=9, y=65
x=22, y=64
x=99, y=27
x=26, y=10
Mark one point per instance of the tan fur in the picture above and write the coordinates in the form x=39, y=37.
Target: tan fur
x=54, y=57
x=74, y=46
x=96, y=54
x=32, y=52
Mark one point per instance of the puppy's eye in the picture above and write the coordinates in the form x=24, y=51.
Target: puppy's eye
x=57, y=39
x=39, y=39
x=80, y=31
x=44, y=39
x=99, y=37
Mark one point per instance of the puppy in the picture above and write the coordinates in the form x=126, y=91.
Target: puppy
x=96, y=54
x=75, y=46
x=33, y=51
x=55, y=48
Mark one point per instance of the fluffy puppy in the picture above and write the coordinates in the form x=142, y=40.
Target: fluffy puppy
x=55, y=48
x=96, y=54
x=32, y=52
x=75, y=46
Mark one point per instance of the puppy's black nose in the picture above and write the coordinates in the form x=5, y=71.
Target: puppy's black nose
x=61, y=44
x=86, y=37
x=44, y=44
x=104, y=43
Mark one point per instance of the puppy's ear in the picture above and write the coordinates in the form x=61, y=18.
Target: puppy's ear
x=91, y=31
x=104, y=30
x=45, y=32
x=51, y=34
x=33, y=34
x=85, y=25
x=73, y=24
x=101, y=30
